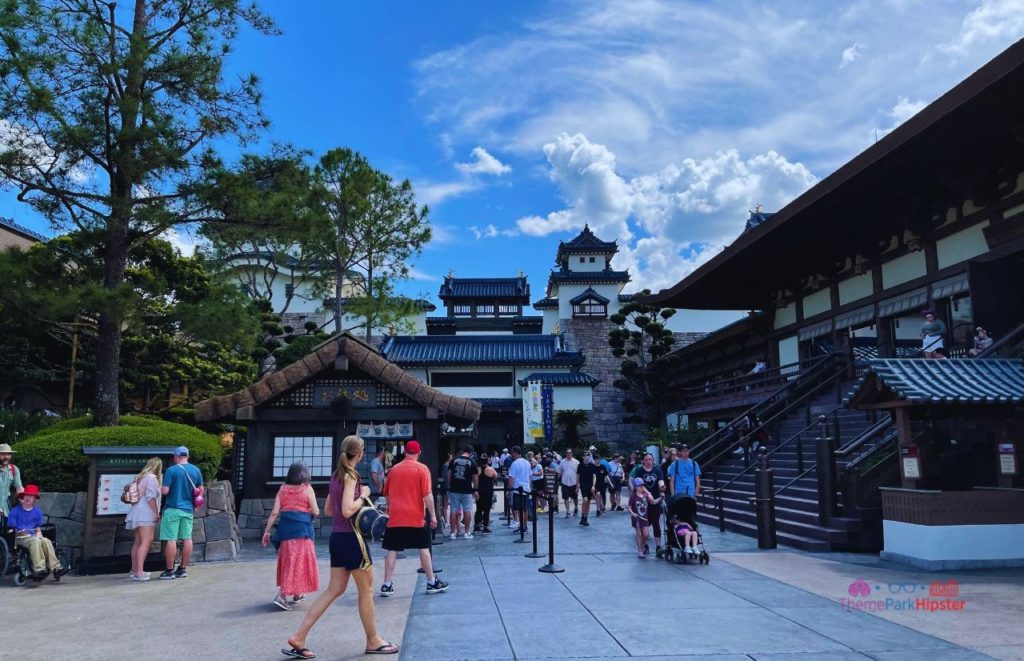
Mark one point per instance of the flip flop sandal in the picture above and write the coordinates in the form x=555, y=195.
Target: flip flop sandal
x=386, y=648
x=299, y=653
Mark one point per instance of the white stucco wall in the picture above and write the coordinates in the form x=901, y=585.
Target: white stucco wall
x=903, y=269
x=568, y=292
x=550, y=319
x=574, y=397
x=818, y=302
x=855, y=288
x=789, y=350
x=586, y=265
x=962, y=245
x=785, y=316
x=979, y=542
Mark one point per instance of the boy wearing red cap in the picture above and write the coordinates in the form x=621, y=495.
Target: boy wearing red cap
x=27, y=521
x=407, y=489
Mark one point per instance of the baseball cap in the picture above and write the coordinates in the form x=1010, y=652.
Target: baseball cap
x=504, y=449
x=684, y=446
x=413, y=447
x=181, y=451
x=638, y=481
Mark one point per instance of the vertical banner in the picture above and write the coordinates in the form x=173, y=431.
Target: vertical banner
x=533, y=411
x=547, y=399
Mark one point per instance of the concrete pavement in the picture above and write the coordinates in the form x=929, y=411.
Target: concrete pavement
x=746, y=604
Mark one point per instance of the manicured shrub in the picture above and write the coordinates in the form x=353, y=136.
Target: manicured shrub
x=53, y=457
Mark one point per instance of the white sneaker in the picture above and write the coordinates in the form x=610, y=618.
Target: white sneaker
x=692, y=551
x=468, y=535
x=453, y=536
x=514, y=527
x=144, y=576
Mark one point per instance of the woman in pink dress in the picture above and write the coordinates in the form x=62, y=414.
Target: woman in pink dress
x=294, y=510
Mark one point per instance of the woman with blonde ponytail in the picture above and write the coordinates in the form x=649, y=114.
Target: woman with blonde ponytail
x=349, y=556
x=144, y=515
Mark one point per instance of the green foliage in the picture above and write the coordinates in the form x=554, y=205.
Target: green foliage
x=645, y=346
x=113, y=113
x=53, y=457
x=297, y=349
x=570, y=421
x=17, y=426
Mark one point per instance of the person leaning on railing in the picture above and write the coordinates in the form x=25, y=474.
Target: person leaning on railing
x=932, y=332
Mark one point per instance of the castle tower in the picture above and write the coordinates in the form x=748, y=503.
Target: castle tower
x=583, y=292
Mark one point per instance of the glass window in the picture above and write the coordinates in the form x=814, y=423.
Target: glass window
x=315, y=451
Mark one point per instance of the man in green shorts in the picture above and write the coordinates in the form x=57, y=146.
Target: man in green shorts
x=180, y=481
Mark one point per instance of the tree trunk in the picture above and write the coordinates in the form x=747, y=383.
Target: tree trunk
x=339, y=284
x=107, y=403
x=370, y=311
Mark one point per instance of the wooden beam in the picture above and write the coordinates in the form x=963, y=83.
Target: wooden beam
x=432, y=414
x=246, y=413
x=341, y=363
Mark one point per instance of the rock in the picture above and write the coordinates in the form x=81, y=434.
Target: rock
x=69, y=533
x=268, y=505
x=251, y=533
x=221, y=550
x=218, y=527
x=57, y=505
x=198, y=531
x=216, y=497
x=198, y=553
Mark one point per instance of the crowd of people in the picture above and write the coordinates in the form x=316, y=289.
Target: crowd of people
x=180, y=489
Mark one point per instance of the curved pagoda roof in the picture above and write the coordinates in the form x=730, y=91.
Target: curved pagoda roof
x=485, y=288
x=917, y=381
x=588, y=294
x=479, y=350
x=586, y=243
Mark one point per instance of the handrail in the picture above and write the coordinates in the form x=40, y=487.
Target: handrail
x=779, y=446
x=890, y=437
x=868, y=433
x=1014, y=334
x=712, y=439
x=785, y=409
x=769, y=374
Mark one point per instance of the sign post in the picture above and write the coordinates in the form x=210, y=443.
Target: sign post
x=110, y=469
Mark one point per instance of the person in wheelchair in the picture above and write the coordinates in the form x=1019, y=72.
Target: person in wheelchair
x=26, y=520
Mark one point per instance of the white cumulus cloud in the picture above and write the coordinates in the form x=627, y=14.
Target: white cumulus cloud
x=483, y=163
x=670, y=221
x=851, y=54
x=991, y=21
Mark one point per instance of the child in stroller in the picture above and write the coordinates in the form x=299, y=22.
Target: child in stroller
x=683, y=540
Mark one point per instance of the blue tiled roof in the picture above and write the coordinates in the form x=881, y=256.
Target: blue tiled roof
x=586, y=242
x=589, y=295
x=21, y=229
x=589, y=277
x=756, y=218
x=484, y=288
x=479, y=350
x=949, y=381
x=549, y=303
x=561, y=379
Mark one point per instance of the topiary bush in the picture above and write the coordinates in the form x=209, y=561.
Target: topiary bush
x=53, y=459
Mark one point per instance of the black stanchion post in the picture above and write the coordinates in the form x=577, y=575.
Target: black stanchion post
x=764, y=491
x=434, y=537
x=522, y=519
x=426, y=523
x=551, y=567
x=826, y=475
x=536, y=522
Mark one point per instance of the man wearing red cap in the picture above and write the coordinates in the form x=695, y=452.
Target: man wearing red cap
x=27, y=521
x=407, y=489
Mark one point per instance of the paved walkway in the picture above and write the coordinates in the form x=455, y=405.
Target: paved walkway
x=746, y=604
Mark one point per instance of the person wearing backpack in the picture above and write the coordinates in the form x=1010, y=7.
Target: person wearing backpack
x=143, y=494
x=183, y=488
x=684, y=474
x=10, y=476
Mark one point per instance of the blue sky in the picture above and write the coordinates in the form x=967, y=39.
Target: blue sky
x=659, y=123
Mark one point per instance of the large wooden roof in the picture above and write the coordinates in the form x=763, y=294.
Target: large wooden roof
x=321, y=359
x=964, y=145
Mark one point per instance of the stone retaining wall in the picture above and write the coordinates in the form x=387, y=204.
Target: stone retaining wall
x=215, y=533
x=254, y=512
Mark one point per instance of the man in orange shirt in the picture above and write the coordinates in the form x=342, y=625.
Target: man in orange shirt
x=407, y=489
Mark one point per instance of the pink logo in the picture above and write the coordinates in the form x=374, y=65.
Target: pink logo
x=859, y=588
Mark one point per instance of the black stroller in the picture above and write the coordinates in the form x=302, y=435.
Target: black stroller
x=682, y=508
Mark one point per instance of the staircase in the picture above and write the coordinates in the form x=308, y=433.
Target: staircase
x=796, y=505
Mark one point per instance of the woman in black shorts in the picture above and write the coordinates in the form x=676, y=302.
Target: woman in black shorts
x=349, y=556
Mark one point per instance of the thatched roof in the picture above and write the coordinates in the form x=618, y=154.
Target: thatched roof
x=321, y=359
